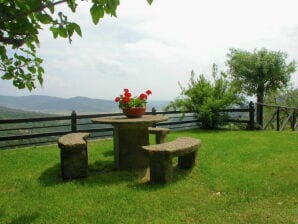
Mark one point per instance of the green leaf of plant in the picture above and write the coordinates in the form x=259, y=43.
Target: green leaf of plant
x=3, y=53
x=32, y=69
x=44, y=18
x=77, y=28
x=70, y=30
x=7, y=76
x=40, y=70
x=150, y=1
x=72, y=5
x=62, y=32
x=52, y=8
x=97, y=12
x=93, y=12
x=54, y=31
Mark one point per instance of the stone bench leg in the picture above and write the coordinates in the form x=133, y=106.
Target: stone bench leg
x=161, y=168
x=160, y=138
x=74, y=162
x=187, y=161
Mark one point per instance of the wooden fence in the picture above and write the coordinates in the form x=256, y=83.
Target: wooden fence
x=281, y=117
x=45, y=130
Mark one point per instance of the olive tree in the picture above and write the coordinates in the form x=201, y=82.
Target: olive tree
x=259, y=72
x=20, y=24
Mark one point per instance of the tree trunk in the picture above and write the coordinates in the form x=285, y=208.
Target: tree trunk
x=260, y=99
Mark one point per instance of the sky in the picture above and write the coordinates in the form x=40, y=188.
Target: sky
x=155, y=47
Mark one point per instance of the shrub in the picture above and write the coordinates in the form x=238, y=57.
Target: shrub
x=205, y=98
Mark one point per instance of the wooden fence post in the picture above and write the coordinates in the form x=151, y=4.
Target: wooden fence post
x=251, y=116
x=293, y=120
x=73, y=121
x=153, y=113
x=277, y=119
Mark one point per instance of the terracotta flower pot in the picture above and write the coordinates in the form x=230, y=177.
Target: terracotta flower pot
x=134, y=112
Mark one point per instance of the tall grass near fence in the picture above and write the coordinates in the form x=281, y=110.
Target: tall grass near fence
x=240, y=177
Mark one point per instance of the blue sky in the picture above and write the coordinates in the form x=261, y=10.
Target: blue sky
x=154, y=47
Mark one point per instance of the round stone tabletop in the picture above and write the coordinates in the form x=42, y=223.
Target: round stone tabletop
x=145, y=119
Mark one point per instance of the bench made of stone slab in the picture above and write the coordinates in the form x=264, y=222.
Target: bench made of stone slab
x=73, y=155
x=160, y=134
x=160, y=157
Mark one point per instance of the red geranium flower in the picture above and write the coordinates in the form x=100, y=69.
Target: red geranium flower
x=127, y=94
x=143, y=96
x=126, y=99
x=117, y=99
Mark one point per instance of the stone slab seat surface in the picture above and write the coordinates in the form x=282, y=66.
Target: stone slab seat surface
x=73, y=140
x=178, y=147
x=73, y=155
x=158, y=130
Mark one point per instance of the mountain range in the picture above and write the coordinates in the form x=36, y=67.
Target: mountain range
x=57, y=105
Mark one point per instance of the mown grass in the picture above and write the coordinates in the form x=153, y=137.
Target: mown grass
x=240, y=177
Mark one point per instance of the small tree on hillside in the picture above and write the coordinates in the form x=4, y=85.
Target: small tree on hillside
x=205, y=98
x=259, y=73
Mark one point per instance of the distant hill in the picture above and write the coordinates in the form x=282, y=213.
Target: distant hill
x=48, y=104
x=9, y=113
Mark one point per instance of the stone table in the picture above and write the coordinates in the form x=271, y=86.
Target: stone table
x=130, y=134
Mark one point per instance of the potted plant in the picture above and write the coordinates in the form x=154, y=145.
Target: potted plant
x=133, y=107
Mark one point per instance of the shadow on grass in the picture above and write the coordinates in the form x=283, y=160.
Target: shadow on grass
x=26, y=218
x=145, y=185
x=51, y=176
x=99, y=173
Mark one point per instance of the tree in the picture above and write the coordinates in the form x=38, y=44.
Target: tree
x=259, y=73
x=204, y=98
x=20, y=23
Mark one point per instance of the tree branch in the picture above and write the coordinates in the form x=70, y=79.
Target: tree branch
x=40, y=8
x=12, y=41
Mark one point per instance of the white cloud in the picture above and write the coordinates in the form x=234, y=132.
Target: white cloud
x=154, y=47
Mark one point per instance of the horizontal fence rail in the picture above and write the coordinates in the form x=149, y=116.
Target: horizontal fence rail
x=45, y=130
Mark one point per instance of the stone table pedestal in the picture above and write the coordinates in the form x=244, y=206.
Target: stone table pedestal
x=130, y=134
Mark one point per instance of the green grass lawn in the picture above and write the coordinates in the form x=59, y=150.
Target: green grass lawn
x=240, y=177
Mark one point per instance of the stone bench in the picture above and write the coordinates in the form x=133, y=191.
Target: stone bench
x=160, y=134
x=160, y=157
x=73, y=155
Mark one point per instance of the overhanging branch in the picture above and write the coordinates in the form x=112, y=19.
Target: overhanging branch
x=38, y=9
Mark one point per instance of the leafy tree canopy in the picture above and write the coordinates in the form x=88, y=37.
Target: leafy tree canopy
x=205, y=97
x=20, y=23
x=259, y=73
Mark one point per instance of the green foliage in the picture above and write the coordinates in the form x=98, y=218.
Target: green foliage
x=259, y=72
x=291, y=98
x=287, y=98
x=20, y=23
x=205, y=98
x=240, y=177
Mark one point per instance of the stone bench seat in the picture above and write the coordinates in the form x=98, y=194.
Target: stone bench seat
x=73, y=155
x=160, y=134
x=160, y=157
